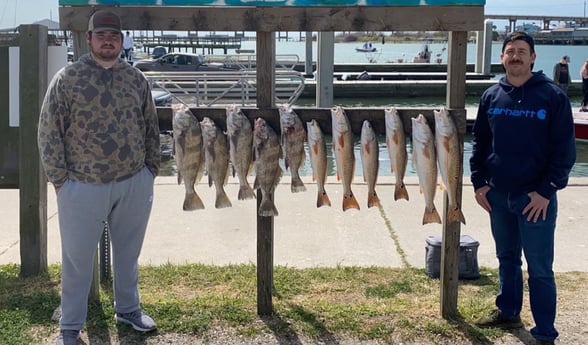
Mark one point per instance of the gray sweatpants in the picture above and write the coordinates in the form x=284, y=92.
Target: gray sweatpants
x=83, y=210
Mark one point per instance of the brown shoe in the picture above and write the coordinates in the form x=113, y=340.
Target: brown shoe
x=496, y=320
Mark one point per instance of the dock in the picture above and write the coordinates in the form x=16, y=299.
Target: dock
x=191, y=43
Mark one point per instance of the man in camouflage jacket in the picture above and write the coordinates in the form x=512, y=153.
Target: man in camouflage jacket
x=99, y=144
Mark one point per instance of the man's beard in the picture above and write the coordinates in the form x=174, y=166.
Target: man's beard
x=106, y=52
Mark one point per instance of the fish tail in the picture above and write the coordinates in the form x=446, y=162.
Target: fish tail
x=431, y=216
x=323, y=199
x=349, y=201
x=267, y=208
x=455, y=215
x=246, y=192
x=297, y=185
x=373, y=200
x=222, y=200
x=192, y=202
x=400, y=192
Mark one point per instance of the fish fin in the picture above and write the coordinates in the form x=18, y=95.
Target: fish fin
x=431, y=216
x=246, y=192
x=233, y=170
x=323, y=200
x=297, y=185
x=267, y=208
x=179, y=177
x=350, y=202
x=313, y=177
x=442, y=186
x=222, y=200
x=456, y=215
x=338, y=176
x=400, y=192
x=256, y=183
x=286, y=163
x=209, y=180
x=373, y=200
x=192, y=202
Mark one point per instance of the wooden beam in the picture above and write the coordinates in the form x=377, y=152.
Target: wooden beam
x=266, y=52
x=456, y=72
x=268, y=19
x=32, y=181
x=321, y=115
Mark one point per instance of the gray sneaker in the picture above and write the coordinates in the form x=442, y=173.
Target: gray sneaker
x=68, y=337
x=139, y=320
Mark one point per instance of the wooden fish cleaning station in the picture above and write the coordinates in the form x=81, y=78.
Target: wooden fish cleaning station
x=457, y=20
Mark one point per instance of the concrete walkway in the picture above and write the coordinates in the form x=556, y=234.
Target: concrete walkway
x=304, y=235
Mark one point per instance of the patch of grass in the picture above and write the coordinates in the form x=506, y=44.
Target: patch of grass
x=386, y=304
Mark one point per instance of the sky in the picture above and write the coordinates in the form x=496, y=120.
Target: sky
x=16, y=12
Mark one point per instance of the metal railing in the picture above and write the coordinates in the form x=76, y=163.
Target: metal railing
x=207, y=89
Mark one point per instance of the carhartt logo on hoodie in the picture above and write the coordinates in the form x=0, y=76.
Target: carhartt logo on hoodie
x=540, y=114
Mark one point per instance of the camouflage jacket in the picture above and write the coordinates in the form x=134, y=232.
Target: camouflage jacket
x=98, y=125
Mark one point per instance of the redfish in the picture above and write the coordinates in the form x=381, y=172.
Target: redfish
x=396, y=144
x=317, y=149
x=369, y=161
x=449, y=154
x=344, y=156
x=425, y=162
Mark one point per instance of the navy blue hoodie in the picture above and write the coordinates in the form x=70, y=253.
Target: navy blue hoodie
x=523, y=138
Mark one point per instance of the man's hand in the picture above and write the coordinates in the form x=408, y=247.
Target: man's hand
x=481, y=197
x=537, y=206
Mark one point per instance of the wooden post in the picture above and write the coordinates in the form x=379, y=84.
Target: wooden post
x=456, y=73
x=324, y=69
x=266, y=48
x=308, y=54
x=32, y=181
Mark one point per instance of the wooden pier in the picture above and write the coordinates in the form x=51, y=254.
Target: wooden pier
x=190, y=43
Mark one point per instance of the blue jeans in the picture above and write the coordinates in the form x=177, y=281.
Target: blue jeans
x=513, y=234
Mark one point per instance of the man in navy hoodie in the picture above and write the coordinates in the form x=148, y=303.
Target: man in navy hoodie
x=523, y=151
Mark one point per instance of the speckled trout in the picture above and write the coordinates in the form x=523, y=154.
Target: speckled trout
x=425, y=162
x=396, y=144
x=449, y=153
x=344, y=156
x=240, y=135
x=188, y=154
x=216, y=154
x=317, y=149
x=266, y=157
x=369, y=161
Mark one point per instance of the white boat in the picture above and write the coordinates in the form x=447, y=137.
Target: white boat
x=366, y=50
x=367, y=47
x=424, y=56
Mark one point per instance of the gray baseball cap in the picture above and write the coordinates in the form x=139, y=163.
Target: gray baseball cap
x=104, y=20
